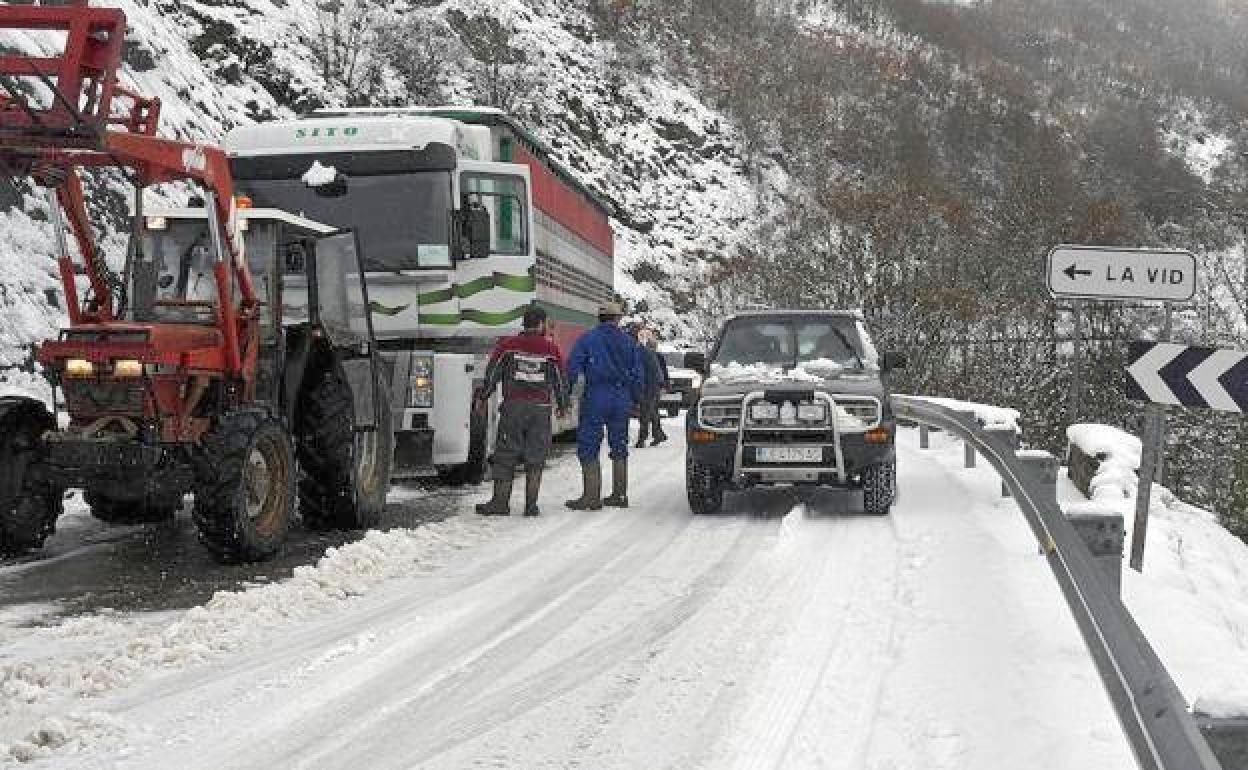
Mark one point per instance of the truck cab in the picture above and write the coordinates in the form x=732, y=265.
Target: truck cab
x=464, y=221
x=792, y=398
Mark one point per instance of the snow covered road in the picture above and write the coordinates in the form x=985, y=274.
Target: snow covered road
x=787, y=632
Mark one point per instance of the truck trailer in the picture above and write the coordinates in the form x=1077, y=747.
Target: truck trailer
x=419, y=186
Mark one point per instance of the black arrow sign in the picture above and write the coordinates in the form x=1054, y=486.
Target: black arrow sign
x=1071, y=272
x=1182, y=375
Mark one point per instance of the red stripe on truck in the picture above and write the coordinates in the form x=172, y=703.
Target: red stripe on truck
x=566, y=205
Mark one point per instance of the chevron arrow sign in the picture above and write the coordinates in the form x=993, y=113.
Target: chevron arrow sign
x=1181, y=375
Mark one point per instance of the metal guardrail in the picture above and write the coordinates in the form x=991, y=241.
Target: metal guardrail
x=1150, y=708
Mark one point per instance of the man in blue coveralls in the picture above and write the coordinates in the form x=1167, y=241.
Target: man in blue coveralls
x=610, y=362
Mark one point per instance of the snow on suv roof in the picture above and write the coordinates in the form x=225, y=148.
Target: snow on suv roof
x=856, y=314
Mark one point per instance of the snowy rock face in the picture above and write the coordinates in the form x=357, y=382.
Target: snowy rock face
x=627, y=125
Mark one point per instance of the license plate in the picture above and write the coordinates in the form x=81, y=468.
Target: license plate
x=789, y=454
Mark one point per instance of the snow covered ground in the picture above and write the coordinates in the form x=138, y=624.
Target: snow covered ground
x=1192, y=597
x=790, y=631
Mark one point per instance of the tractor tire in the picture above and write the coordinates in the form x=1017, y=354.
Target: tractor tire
x=703, y=488
x=344, y=474
x=879, y=487
x=153, y=509
x=28, y=510
x=245, y=487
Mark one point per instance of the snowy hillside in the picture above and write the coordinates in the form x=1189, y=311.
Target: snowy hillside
x=631, y=129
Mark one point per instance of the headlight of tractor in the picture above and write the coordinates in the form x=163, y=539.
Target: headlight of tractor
x=79, y=367
x=764, y=411
x=127, y=367
x=420, y=384
x=812, y=412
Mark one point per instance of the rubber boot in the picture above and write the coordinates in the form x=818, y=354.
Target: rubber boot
x=619, y=484
x=500, y=503
x=591, y=498
x=532, y=485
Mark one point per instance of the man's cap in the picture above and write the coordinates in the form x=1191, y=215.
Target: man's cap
x=613, y=309
x=533, y=317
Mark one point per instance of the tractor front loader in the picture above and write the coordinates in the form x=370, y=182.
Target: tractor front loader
x=237, y=366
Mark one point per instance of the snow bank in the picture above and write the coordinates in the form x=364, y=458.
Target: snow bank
x=991, y=417
x=1119, y=451
x=230, y=621
x=1191, y=599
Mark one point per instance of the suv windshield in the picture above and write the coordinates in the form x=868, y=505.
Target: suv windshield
x=823, y=345
x=403, y=220
x=675, y=359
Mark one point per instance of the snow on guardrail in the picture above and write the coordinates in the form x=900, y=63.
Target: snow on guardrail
x=990, y=417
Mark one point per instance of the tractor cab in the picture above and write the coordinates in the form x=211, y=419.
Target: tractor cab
x=232, y=358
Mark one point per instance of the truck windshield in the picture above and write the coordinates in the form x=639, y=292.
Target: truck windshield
x=822, y=345
x=403, y=220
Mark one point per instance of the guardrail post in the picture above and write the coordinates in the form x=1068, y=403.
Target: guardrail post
x=1228, y=738
x=969, y=452
x=925, y=439
x=1041, y=469
x=1102, y=529
x=1006, y=437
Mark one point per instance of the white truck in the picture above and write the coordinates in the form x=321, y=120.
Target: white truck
x=464, y=220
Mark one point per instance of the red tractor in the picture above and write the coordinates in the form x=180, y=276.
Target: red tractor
x=232, y=357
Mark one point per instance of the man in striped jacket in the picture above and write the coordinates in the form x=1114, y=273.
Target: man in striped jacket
x=529, y=366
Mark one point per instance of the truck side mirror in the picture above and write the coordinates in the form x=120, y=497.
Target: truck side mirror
x=893, y=360
x=696, y=362
x=477, y=230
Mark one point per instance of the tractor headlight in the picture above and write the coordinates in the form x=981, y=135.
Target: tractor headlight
x=812, y=412
x=420, y=383
x=764, y=411
x=127, y=367
x=79, y=367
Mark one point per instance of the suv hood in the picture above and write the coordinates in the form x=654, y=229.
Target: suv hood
x=736, y=380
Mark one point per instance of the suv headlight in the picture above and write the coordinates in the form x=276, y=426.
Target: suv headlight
x=764, y=411
x=420, y=383
x=812, y=412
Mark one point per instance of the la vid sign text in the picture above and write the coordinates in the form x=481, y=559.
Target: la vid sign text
x=1093, y=272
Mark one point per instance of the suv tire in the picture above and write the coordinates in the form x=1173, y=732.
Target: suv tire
x=704, y=489
x=879, y=486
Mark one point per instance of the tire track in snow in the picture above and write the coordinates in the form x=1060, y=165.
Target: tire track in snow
x=533, y=692
x=478, y=620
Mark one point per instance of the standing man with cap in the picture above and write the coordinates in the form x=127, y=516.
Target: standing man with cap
x=530, y=368
x=656, y=381
x=610, y=362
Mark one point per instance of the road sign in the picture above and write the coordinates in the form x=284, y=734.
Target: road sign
x=1181, y=375
x=1093, y=272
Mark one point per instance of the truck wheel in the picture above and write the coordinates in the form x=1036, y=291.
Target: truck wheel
x=472, y=471
x=878, y=488
x=704, y=489
x=149, y=510
x=28, y=510
x=344, y=474
x=245, y=490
